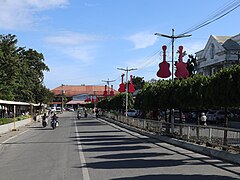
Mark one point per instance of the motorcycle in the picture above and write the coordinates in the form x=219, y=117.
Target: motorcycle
x=54, y=122
x=44, y=121
x=97, y=115
x=78, y=115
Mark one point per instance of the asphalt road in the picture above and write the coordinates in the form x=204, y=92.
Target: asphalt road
x=93, y=149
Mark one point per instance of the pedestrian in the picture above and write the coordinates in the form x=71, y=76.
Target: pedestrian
x=203, y=119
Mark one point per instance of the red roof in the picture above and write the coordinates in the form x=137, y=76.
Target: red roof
x=72, y=90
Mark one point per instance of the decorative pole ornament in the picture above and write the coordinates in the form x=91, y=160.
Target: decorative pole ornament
x=164, y=66
x=88, y=99
x=131, y=88
x=181, y=67
x=105, y=91
x=111, y=92
x=122, y=85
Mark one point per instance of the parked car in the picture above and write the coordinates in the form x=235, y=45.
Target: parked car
x=177, y=116
x=70, y=109
x=133, y=113
x=216, y=116
x=53, y=108
x=58, y=109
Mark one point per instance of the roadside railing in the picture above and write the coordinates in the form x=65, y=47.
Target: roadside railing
x=212, y=136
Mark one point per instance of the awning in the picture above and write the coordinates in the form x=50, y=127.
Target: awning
x=76, y=102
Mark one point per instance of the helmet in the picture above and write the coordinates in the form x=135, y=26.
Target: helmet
x=203, y=114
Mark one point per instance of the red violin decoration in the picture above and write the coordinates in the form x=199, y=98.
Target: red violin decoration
x=88, y=99
x=164, y=71
x=181, y=67
x=131, y=88
x=105, y=91
x=111, y=92
x=92, y=100
x=122, y=85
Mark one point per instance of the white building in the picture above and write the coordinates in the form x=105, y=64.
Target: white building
x=219, y=52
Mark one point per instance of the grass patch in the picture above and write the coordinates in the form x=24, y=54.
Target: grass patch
x=10, y=120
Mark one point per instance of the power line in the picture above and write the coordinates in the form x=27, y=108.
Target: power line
x=218, y=15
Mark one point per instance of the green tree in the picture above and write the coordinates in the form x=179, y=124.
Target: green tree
x=138, y=82
x=21, y=73
x=9, y=62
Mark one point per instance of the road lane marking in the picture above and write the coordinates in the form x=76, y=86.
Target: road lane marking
x=13, y=137
x=81, y=155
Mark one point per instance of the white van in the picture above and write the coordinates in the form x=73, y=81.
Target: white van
x=58, y=109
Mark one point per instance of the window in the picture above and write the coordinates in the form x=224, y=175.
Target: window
x=212, y=51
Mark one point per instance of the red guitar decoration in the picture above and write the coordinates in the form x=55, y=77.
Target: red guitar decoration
x=122, y=85
x=88, y=99
x=181, y=67
x=105, y=91
x=111, y=92
x=92, y=100
x=131, y=88
x=164, y=71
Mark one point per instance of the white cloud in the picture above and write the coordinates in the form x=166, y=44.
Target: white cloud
x=77, y=46
x=84, y=54
x=71, y=38
x=22, y=14
x=142, y=40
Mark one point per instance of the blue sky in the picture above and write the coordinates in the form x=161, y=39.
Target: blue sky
x=85, y=41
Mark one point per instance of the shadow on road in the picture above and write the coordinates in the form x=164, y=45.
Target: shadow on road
x=176, y=177
x=132, y=155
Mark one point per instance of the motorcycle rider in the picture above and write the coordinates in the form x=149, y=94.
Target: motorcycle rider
x=78, y=114
x=44, y=120
x=97, y=113
x=55, y=117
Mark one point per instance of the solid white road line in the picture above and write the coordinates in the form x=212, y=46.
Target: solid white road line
x=81, y=156
x=13, y=137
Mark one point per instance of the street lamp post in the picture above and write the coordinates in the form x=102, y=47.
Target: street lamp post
x=172, y=37
x=127, y=70
x=108, y=81
x=62, y=97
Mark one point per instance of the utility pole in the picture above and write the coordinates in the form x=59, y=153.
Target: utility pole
x=127, y=70
x=108, y=81
x=62, y=97
x=172, y=37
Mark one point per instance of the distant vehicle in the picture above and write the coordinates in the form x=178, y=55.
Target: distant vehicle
x=177, y=116
x=58, y=109
x=70, y=109
x=133, y=113
x=53, y=109
x=216, y=116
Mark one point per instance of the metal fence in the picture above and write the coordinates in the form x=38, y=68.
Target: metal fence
x=219, y=137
